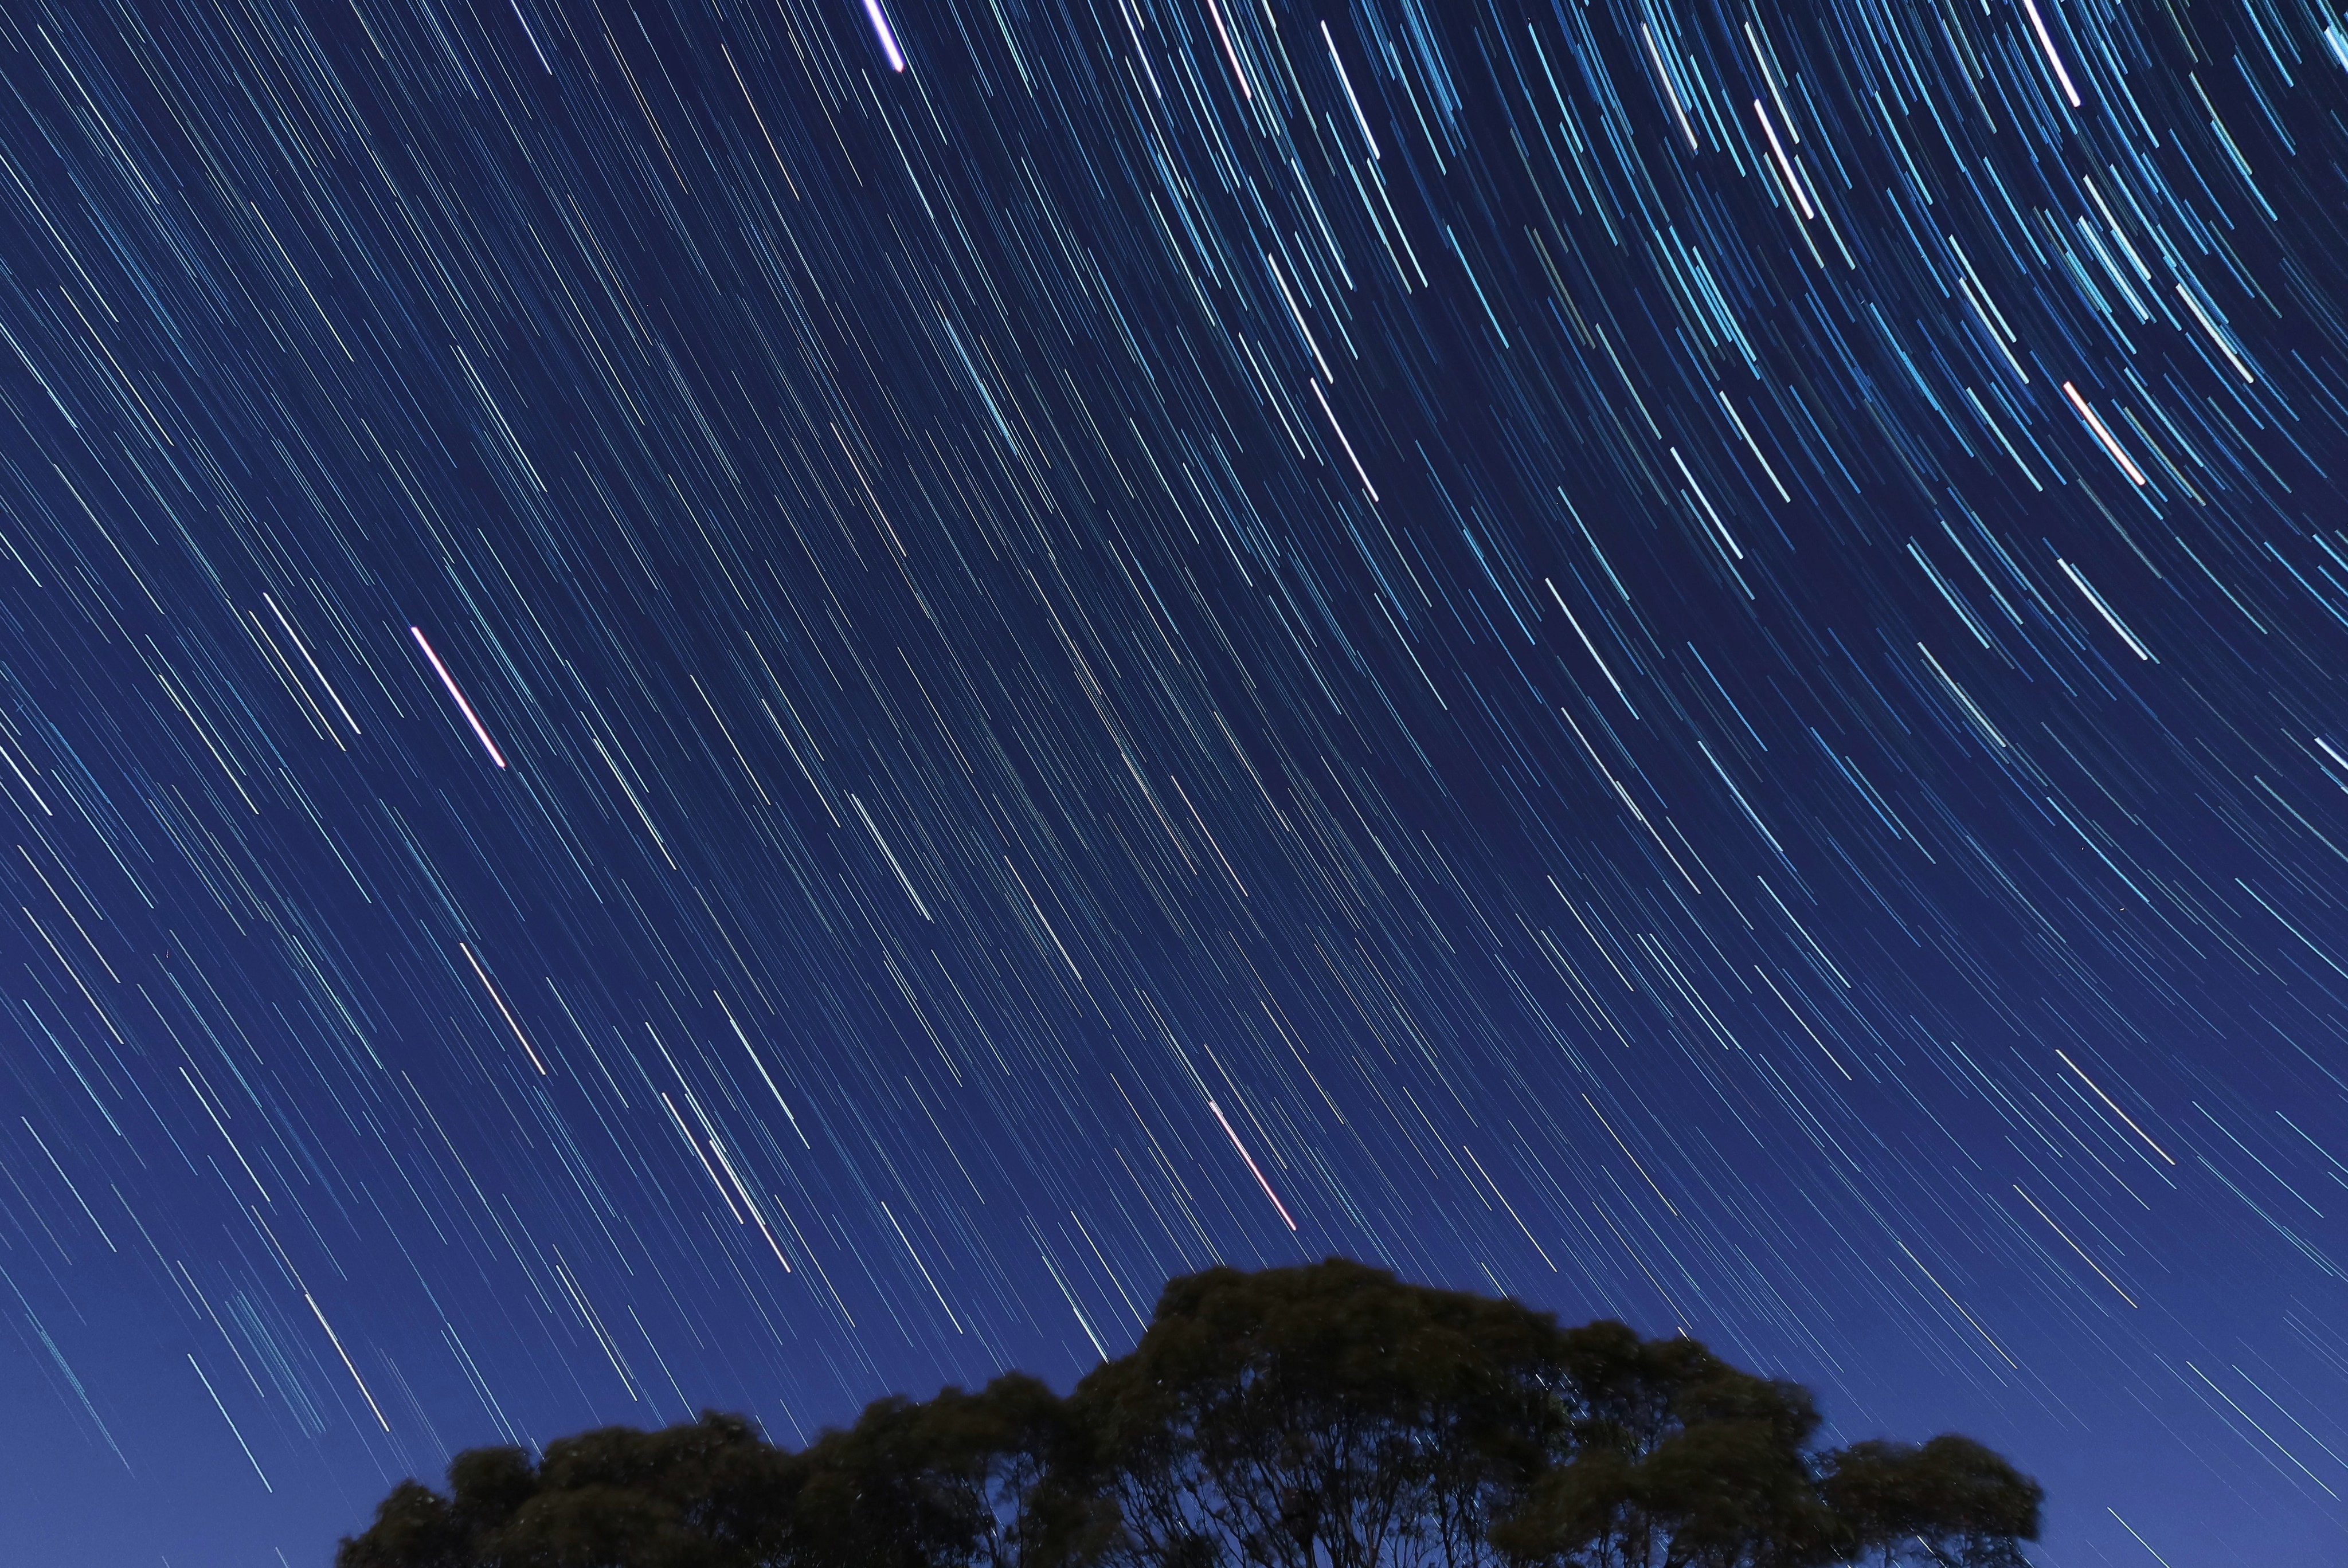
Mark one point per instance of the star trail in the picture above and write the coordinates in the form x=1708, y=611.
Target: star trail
x=748, y=702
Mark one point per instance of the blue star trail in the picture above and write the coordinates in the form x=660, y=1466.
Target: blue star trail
x=746, y=703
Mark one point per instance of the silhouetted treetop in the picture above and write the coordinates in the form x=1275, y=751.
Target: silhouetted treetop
x=1320, y=1416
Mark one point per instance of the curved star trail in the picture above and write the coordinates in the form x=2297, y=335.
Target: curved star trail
x=749, y=704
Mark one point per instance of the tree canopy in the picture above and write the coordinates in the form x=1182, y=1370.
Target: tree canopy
x=1328, y=1416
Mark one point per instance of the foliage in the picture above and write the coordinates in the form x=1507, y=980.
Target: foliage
x=969, y=1481
x=1951, y=1502
x=1323, y=1417
x=1324, y=1414
x=709, y=1495
x=1676, y=1458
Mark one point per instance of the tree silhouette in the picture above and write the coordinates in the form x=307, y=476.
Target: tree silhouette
x=711, y=1494
x=1327, y=1414
x=1321, y=1417
x=1676, y=1458
x=1951, y=1502
x=964, y=1481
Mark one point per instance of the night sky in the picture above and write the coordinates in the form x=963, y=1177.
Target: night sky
x=748, y=702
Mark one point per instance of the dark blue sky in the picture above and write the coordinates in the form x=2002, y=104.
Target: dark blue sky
x=692, y=721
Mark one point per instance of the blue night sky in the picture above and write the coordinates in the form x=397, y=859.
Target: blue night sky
x=748, y=702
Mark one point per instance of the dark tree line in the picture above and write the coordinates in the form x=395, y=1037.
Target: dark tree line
x=1326, y=1417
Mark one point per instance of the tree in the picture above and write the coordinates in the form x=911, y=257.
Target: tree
x=1300, y=1416
x=1323, y=1417
x=1675, y=1457
x=1951, y=1502
x=711, y=1494
x=970, y=1481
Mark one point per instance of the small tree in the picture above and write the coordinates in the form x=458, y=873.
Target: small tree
x=711, y=1494
x=1951, y=1504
